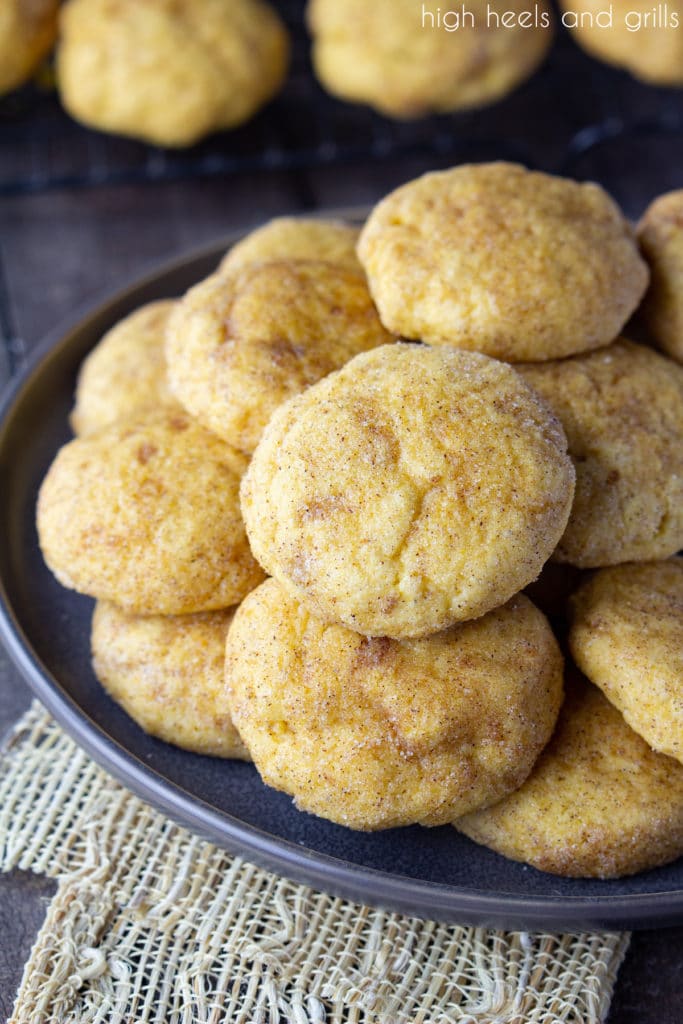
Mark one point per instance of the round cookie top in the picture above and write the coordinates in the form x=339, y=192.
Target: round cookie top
x=375, y=733
x=599, y=803
x=494, y=258
x=638, y=39
x=296, y=238
x=414, y=488
x=660, y=233
x=242, y=342
x=169, y=71
x=626, y=635
x=126, y=371
x=622, y=411
x=403, y=58
x=27, y=34
x=167, y=672
x=146, y=514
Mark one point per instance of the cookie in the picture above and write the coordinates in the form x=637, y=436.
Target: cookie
x=146, y=515
x=242, y=342
x=377, y=733
x=169, y=71
x=296, y=238
x=407, y=60
x=599, y=803
x=644, y=38
x=415, y=488
x=27, y=34
x=167, y=673
x=126, y=371
x=622, y=411
x=660, y=234
x=627, y=637
x=519, y=265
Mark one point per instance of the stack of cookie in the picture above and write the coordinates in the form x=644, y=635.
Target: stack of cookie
x=414, y=447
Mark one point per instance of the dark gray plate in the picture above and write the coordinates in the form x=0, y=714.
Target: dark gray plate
x=432, y=873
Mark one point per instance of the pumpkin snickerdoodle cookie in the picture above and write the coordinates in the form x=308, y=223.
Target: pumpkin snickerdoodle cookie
x=414, y=488
x=146, y=514
x=622, y=411
x=497, y=259
x=27, y=33
x=126, y=371
x=377, y=733
x=169, y=71
x=296, y=238
x=167, y=671
x=626, y=635
x=660, y=233
x=242, y=342
x=599, y=803
x=399, y=57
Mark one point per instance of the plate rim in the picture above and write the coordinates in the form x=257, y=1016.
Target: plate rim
x=392, y=891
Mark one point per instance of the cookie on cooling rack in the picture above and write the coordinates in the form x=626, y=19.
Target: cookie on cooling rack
x=27, y=34
x=169, y=71
x=626, y=635
x=497, y=259
x=644, y=38
x=296, y=238
x=660, y=233
x=401, y=58
x=414, y=488
x=375, y=733
x=167, y=672
x=126, y=371
x=146, y=514
x=622, y=411
x=599, y=803
x=242, y=342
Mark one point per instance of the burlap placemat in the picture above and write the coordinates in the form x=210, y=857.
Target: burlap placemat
x=151, y=924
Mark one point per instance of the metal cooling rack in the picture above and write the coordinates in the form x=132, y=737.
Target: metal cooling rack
x=571, y=108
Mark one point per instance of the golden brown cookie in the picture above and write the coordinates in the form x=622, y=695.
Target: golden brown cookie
x=376, y=733
x=167, y=672
x=494, y=258
x=126, y=371
x=415, y=488
x=660, y=234
x=169, y=71
x=644, y=38
x=146, y=514
x=622, y=410
x=599, y=803
x=296, y=238
x=242, y=342
x=627, y=637
x=407, y=60
x=28, y=29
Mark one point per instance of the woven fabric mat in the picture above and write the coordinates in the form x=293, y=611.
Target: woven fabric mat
x=151, y=924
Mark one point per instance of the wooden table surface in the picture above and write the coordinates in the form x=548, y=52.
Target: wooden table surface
x=59, y=249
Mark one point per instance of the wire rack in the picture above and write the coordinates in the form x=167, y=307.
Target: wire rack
x=565, y=119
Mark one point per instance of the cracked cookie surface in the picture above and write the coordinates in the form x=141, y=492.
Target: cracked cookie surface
x=414, y=488
x=375, y=733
